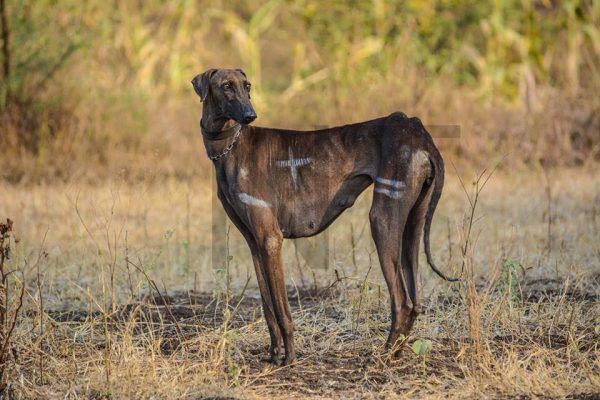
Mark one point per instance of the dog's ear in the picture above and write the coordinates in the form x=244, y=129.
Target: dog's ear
x=201, y=83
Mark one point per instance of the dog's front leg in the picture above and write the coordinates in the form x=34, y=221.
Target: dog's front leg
x=263, y=283
x=268, y=309
x=269, y=244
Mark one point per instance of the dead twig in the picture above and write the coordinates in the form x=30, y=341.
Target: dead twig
x=162, y=298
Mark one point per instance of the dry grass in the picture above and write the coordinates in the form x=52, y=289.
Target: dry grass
x=93, y=325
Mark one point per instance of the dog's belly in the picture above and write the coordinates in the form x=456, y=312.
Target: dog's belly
x=302, y=221
x=312, y=212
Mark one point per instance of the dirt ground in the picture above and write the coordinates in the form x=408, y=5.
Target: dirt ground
x=352, y=363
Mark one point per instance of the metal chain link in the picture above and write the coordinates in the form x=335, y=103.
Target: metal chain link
x=228, y=148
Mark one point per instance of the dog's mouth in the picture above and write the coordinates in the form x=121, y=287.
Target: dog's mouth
x=241, y=113
x=246, y=118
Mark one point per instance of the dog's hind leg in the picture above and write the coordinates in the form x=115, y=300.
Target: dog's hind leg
x=411, y=240
x=394, y=226
x=388, y=217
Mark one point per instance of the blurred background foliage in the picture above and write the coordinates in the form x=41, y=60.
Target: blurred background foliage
x=93, y=88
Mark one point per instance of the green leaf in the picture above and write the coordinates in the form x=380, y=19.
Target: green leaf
x=422, y=347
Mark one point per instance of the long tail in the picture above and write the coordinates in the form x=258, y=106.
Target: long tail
x=438, y=182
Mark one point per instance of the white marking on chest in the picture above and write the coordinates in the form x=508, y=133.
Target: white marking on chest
x=243, y=173
x=252, y=201
x=293, y=164
x=394, y=189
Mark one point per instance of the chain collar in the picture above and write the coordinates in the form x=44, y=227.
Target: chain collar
x=235, y=130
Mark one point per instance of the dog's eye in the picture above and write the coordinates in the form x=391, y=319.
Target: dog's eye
x=226, y=86
x=248, y=86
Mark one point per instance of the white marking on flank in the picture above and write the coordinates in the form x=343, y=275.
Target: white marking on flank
x=293, y=164
x=253, y=201
x=392, y=194
x=391, y=182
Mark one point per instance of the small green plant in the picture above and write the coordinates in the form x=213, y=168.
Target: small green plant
x=422, y=348
x=233, y=369
x=510, y=280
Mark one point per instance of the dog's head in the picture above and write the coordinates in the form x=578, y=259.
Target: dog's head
x=228, y=91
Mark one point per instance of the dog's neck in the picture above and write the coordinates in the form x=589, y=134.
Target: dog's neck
x=219, y=133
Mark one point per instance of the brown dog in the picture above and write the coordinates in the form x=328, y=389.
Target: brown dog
x=277, y=184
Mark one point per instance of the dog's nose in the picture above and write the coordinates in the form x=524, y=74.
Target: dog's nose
x=249, y=116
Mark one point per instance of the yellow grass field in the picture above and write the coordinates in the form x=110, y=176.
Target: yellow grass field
x=523, y=323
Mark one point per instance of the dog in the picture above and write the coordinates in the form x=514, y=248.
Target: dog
x=276, y=184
